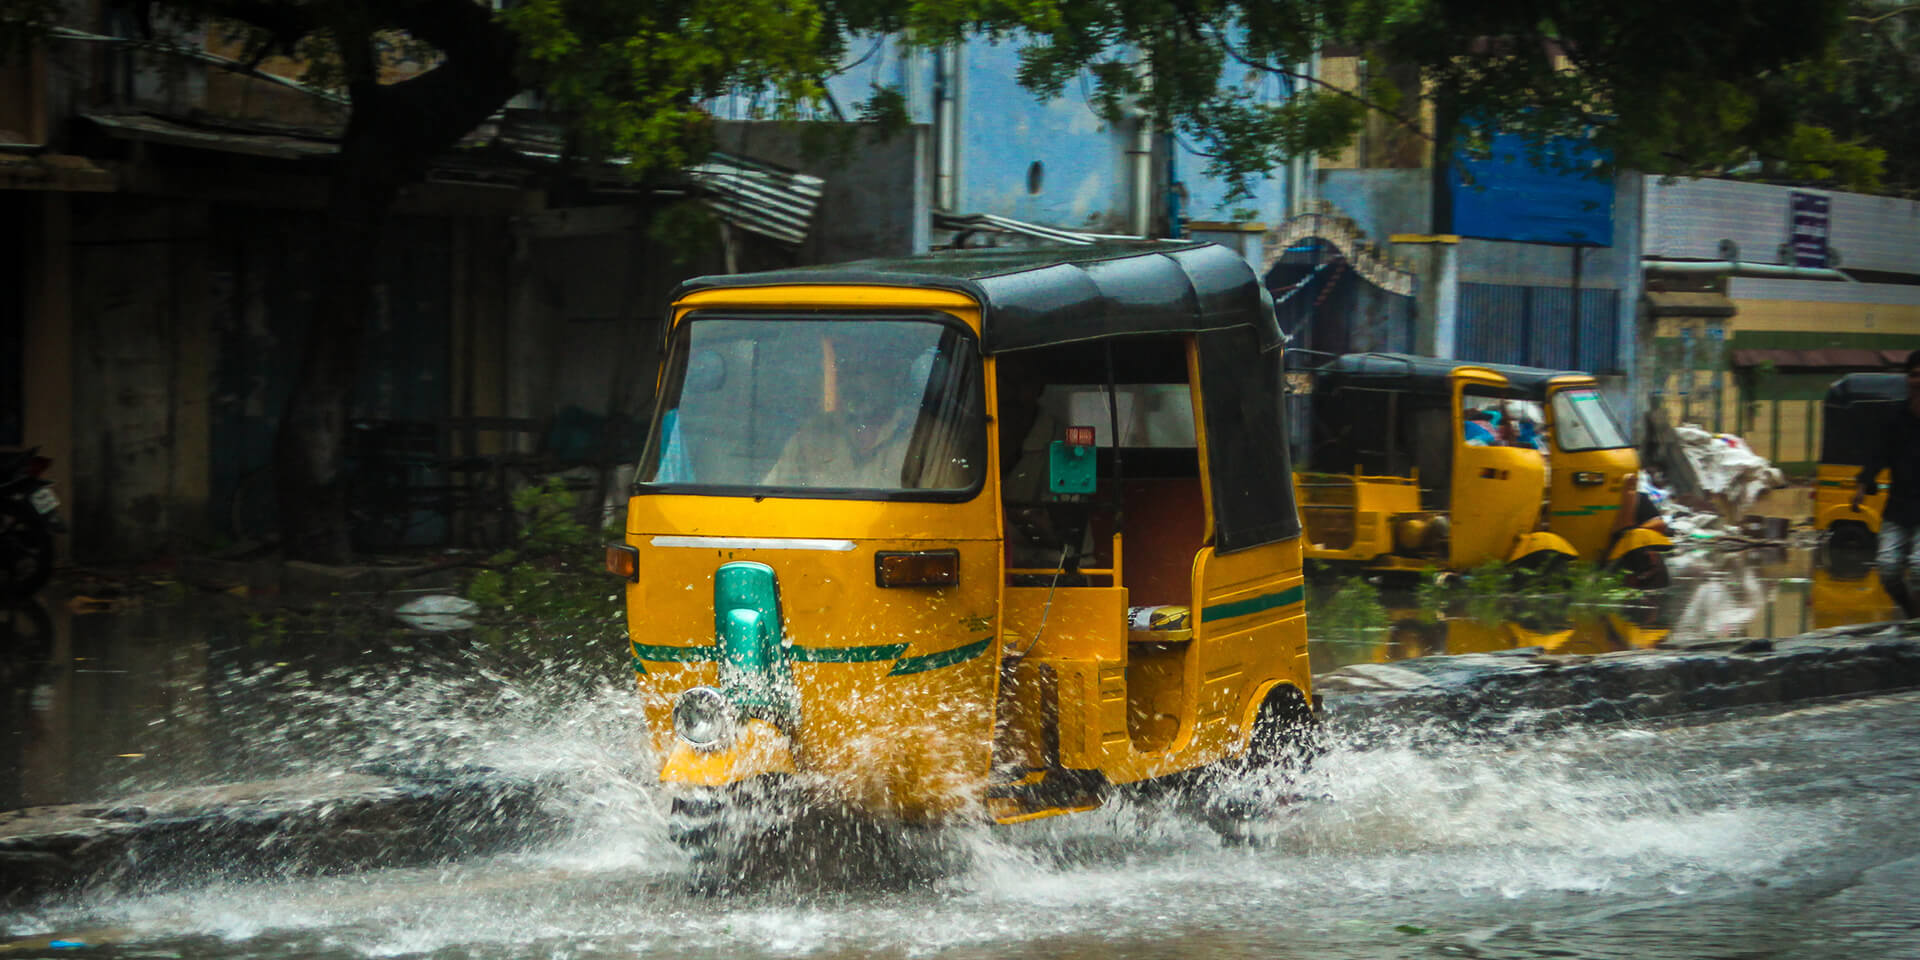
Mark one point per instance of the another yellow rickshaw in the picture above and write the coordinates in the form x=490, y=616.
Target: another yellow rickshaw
x=1853, y=408
x=1407, y=469
x=1489, y=430
x=982, y=535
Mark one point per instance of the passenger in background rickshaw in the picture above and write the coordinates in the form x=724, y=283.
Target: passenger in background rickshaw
x=1896, y=448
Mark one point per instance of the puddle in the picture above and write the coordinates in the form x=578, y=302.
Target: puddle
x=98, y=703
x=1761, y=592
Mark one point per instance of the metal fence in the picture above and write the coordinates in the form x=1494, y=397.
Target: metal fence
x=1534, y=326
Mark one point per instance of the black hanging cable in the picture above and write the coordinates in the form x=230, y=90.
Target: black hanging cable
x=1113, y=427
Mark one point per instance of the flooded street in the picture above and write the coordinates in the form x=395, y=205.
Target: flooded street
x=1784, y=834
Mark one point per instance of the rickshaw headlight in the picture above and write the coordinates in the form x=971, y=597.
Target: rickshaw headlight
x=703, y=718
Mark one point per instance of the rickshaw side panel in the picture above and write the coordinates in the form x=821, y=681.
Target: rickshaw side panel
x=1508, y=484
x=1588, y=513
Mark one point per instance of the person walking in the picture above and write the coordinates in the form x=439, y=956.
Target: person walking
x=1896, y=449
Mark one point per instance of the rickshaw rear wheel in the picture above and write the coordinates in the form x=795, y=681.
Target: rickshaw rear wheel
x=1242, y=792
x=1644, y=568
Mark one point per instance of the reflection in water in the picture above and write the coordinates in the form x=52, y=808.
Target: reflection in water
x=1764, y=592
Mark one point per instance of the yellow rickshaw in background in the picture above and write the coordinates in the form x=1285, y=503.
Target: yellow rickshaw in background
x=981, y=535
x=1489, y=430
x=1406, y=469
x=1852, y=409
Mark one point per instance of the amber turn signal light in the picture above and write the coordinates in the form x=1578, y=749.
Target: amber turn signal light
x=916, y=568
x=623, y=561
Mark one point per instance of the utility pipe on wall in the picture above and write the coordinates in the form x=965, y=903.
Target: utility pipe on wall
x=1140, y=159
x=1739, y=268
x=946, y=129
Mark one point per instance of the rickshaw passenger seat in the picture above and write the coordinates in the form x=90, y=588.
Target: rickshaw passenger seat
x=1164, y=527
x=1162, y=623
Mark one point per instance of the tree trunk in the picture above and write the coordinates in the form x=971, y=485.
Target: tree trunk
x=310, y=463
x=393, y=132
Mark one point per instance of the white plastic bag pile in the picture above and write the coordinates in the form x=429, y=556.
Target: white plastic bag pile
x=1727, y=467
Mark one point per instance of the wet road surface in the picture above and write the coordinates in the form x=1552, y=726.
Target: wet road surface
x=1783, y=835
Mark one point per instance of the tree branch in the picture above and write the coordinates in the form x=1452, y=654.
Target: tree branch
x=1397, y=117
x=1890, y=14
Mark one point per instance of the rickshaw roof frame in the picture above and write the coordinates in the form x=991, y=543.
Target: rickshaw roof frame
x=1850, y=412
x=1435, y=375
x=1866, y=388
x=1032, y=298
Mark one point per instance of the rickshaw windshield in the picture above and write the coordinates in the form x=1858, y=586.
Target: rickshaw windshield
x=867, y=408
x=1582, y=421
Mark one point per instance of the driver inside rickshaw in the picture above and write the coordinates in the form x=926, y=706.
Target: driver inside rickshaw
x=862, y=435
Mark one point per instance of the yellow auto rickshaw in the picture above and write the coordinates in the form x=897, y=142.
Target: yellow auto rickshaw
x=981, y=535
x=1852, y=410
x=1410, y=467
x=1489, y=430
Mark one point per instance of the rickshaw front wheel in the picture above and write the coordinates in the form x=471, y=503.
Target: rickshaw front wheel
x=726, y=832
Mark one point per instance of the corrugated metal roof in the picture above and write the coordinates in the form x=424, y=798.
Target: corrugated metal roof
x=969, y=223
x=1661, y=303
x=1854, y=358
x=152, y=129
x=759, y=197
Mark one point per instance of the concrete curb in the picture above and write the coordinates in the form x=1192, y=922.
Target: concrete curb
x=285, y=827
x=1527, y=690
x=392, y=818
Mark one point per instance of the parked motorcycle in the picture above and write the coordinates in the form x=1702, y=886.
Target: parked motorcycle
x=29, y=517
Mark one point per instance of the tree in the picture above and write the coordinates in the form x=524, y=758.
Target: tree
x=1851, y=119
x=627, y=76
x=1660, y=85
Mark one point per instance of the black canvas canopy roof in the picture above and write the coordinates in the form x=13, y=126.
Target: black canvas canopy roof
x=1038, y=298
x=1852, y=414
x=1867, y=388
x=1431, y=374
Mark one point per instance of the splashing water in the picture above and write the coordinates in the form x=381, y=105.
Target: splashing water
x=1412, y=827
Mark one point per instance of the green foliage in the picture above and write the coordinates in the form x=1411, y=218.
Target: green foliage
x=631, y=77
x=886, y=111
x=548, y=523
x=1431, y=596
x=1352, y=607
x=1590, y=585
x=1664, y=87
x=553, y=576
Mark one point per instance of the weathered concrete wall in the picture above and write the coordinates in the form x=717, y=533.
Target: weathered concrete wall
x=142, y=371
x=875, y=202
x=46, y=355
